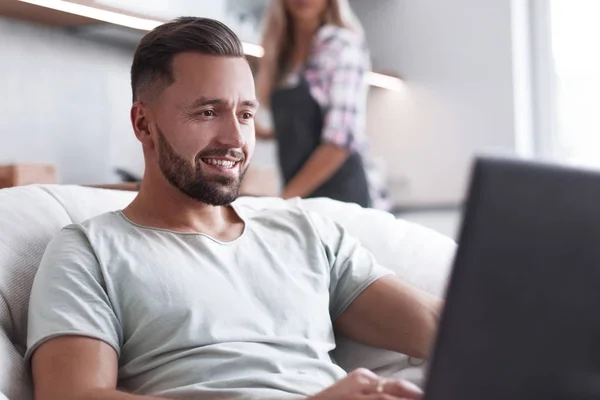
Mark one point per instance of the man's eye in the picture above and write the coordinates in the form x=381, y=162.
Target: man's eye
x=247, y=115
x=208, y=113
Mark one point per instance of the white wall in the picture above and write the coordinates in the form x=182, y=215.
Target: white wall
x=65, y=100
x=456, y=60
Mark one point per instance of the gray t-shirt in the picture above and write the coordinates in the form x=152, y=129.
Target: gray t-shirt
x=189, y=315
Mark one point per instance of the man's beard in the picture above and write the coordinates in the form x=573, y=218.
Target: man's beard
x=190, y=180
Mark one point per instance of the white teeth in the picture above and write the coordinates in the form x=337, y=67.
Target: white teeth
x=219, y=163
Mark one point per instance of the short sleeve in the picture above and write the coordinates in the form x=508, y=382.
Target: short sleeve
x=346, y=110
x=69, y=295
x=353, y=267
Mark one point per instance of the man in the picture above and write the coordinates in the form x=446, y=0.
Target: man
x=184, y=295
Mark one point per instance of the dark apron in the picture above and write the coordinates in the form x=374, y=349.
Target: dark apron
x=298, y=123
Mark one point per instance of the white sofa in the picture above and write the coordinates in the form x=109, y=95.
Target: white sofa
x=31, y=215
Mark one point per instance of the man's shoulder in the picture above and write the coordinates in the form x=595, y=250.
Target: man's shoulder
x=272, y=212
x=109, y=218
x=82, y=231
x=86, y=243
x=284, y=217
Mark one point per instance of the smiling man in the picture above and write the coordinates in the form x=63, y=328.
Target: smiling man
x=185, y=294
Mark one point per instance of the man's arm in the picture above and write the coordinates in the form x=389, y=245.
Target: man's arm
x=69, y=312
x=394, y=315
x=81, y=368
x=77, y=368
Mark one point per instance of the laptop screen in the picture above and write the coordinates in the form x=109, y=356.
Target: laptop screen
x=522, y=318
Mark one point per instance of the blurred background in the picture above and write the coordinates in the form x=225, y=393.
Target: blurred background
x=451, y=79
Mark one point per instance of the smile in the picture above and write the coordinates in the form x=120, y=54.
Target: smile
x=220, y=163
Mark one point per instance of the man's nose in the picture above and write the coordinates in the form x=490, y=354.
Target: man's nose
x=231, y=134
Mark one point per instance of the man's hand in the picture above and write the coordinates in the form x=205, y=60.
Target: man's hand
x=325, y=161
x=363, y=384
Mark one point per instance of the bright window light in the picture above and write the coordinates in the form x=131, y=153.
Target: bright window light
x=574, y=36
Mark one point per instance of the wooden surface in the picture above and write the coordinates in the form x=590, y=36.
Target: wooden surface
x=20, y=174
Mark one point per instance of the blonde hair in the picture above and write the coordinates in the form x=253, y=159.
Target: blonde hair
x=277, y=39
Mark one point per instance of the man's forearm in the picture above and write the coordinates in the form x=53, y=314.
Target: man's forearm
x=393, y=315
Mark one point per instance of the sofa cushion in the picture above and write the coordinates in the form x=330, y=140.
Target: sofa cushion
x=30, y=216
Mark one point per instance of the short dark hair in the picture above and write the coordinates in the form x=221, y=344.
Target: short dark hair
x=151, y=70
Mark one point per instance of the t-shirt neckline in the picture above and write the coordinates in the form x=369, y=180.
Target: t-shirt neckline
x=170, y=231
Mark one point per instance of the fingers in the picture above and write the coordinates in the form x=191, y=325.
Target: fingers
x=363, y=380
x=368, y=383
x=400, y=388
x=363, y=372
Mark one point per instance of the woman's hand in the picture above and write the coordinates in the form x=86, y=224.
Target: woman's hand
x=322, y=164
x=363, y=384
x=263, y=133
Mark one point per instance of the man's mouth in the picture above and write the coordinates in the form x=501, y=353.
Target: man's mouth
x=221, y=163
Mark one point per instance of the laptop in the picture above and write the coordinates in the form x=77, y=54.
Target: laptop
x=522, y=317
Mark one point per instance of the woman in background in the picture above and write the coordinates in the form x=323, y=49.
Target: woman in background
x=312, y=79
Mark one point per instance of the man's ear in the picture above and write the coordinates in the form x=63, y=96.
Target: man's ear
x=140, y=120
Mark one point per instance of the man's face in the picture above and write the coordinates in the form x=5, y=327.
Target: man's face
x=204, y=126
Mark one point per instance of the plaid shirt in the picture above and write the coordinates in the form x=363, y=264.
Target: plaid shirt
x=336, y=74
